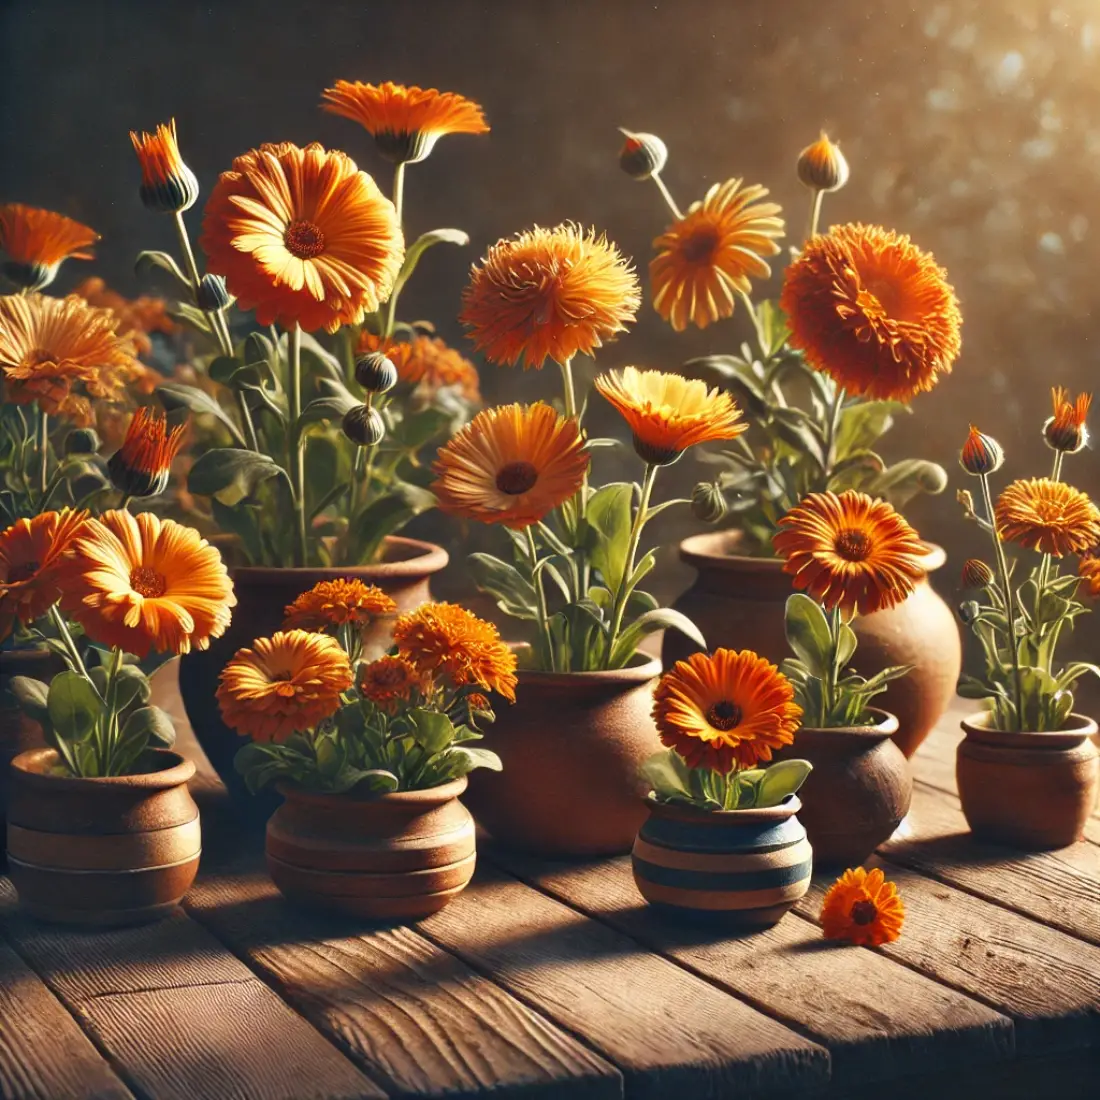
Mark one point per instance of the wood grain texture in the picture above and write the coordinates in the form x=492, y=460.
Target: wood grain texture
x=416, y=1018
x=666, y=1029
x=879, y=1020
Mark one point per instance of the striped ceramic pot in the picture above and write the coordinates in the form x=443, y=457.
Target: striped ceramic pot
x=741, y=868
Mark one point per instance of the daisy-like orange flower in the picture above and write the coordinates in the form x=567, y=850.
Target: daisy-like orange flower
x=426, y=362
x=445, y=638
x=336, y=602
x=668, y=413
x=1066, y=430
x=1048, y=516
x=549, y=293
x=1088, y=569
x=58, y=352
x=706, y=259
x=389, y=681
x=726, y=710
x=168, y=186
x=302, y=237
x=35, y=242
x=512, y=465
x=862, y=908
x=283, y=684
x=142, y=583
x=850, y=551
x=31, y=555
x=137, y=318
x=405, y=122
x=142, y=465
x=870, y=309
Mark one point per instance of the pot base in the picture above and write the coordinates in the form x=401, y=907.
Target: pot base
x=97, y=918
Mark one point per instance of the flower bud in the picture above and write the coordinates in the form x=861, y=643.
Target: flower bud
x=643, y=155
x=652, y=455
x=981, y=454
x=822, y=166
x=376, y=373
x=707, y=502
x=976, y=574
x=29, y=275
x=1066, y=431
x=212, y=294
x=142, y=466
x=969, y=610
x=81, y=441
x=364, y=426
x=168, y=186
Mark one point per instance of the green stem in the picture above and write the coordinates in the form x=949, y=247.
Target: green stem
x=832, y=432
x=399, y=188
x=815, y=213
x=43, y=454
x=755, y=318
x=580, y=501
x=124, y=502
x=297, y=441
x=667, y=196
x=1044, y=565
x=828, y=687
x=72, y=654
x=1010, y=599
x=622, y=593
x=540, y=595
x=213, y=317
x=110, y=740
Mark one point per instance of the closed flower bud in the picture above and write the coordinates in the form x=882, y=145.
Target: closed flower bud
x=1066, y=431
x=707, y=502
x=976, y=574
x=364, y=426
x=969, y=610
x=376, y=373
x=142, y=465
x=822, y=166
x=643, y=155
x=168, y=186
x=212, y=294
x=981, y=454
x=82, y=441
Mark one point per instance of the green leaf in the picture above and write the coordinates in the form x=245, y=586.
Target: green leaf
x=1072, y=673
x=242, y=521
x=152, y=724
x=782, y=778
x=846, y=648
x=187, y=314
x=970, y=687
x=74, y=706
x=904, y=480
x=864, y=423
x=421, y=245
x=32, y=696
x=225, y=369
x=808, y=634
x=150, y=262
x=666, y=773
x=230, y=473
x=609, y=520
x=661, y=618
x=434, y=731
x=799, y=431
x=515, y=595
x=131, y=684
x=320, y=358
x=327, y=408
x=385, y=516
x=774, y=329
x=177, y=395
x=473, y=757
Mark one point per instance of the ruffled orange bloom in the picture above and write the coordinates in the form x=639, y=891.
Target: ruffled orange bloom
x=35, y=242
x=863, y=908
x=336, y=602
x=850, y=551
x=389, y=681
x=873, y=311
x=137, y=318
x=725, y=710
x=445, y=638
x=302, y=237
x=142, y=465
x=668, y=413
x=283, y=684
x=1048, y=516
x=1066, y=430
x=425, y=361
x=511, y=465
x=143, y=583
x=405, y=122
x=167, y=184
x=549, y=293
x=31, y=555
x=1088, y=569
x=706, y=259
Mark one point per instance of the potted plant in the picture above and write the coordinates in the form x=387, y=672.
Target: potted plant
x=1027, y=770
x=866, y=321
x=722, y=840
x=371, y=755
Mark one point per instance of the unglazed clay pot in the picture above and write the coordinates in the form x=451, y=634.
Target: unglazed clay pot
x=739, y=868
x=738, y=603
x=102, y=852
x=1028, y=790
x=263, y=593
x=858, y=792
x=571, y=745
x=399, y=856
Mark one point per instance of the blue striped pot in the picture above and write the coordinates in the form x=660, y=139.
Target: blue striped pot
x=740, y=868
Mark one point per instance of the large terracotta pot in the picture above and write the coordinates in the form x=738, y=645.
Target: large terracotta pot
x=398, y=856
x=404, y=573
x=571, y=745
x=102, y=852
x=1028, y=790
x=738, y=602
x=858, y=792
x=740, y=868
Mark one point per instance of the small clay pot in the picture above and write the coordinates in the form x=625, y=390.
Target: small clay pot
x=399, y=856
x=571, y=746
x=738, y=868
x=858, y=792
x=102, y=852
x=1028, y=790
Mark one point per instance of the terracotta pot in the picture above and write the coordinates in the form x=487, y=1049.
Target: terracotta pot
x=858, y=792
x=738, y=602
x=262, y=595
x=100, y=852
x=740, y=868
x=397, y=856
x=571, y=746
x=1028, y=790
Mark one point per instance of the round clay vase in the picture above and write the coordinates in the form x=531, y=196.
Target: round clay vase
x=858, y=792
x=738, y=868
x=404, y=573
x=738, y=603
x=1033, y=791
x=571, y=746
x=398, y=856
x=102, y=852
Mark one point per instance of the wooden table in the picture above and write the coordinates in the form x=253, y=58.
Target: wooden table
x=549, y=979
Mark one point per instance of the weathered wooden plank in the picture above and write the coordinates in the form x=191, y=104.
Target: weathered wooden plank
x=879, y=1020
x=416, y=1018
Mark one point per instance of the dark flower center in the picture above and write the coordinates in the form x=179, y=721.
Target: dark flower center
x=304, y=239
x=700, y=246
x=853, y=545
x=39, y=357
x=724, y=715
x=148, y=582
x=864, y=912
x=517, y=478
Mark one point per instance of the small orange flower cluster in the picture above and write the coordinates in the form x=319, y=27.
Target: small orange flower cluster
x=336, y=603
x=862, y=908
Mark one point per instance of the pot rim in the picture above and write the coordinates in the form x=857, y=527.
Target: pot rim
x=886, y=726
x=31, y=764
x=422, y=557
x=976, y=727
x=640, y=673
x=427, y=796
x=790, y=806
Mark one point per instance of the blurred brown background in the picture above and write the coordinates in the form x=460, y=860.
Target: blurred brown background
x=973, y=126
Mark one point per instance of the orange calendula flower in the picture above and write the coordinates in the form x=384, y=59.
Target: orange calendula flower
x=283, y=684
x=35, y=242
x=1066, y=430
x=874, y=312
x=981, y=454
x=302, y=237
x=142, y=465
x=137, y=319
x=1088, y=569
x=142, y=583
x=850, y=551
x=549, y=293
x=405, y=122
x=389, y=681
x=1048, y=516
x=862, y=908
x=668, y=413
x=31, y=554
x=168, y=186
x=706, y=259
x=511, y=465
x=336, y=602
x=725, y=710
